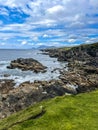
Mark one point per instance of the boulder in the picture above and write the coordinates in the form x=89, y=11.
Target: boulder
x=27, y=64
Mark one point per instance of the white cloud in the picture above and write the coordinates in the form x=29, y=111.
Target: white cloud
x=2, y=44
x=4, y=11
x=35, y=38
x=56, y=9
x=56, y=20
x=24, y=42
x=13, y=3
x=91, y=40
x=71, y=40
x=57, y=44
x=45, y=35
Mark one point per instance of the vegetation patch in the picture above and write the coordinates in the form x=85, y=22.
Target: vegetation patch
x=78, y=112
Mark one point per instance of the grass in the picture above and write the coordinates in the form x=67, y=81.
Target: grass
x=78, y=112
x=91, y=46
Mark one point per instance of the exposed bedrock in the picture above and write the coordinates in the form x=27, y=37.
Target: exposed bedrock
x=27, y=64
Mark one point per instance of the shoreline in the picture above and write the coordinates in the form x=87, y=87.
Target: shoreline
x=82, y=76
x=22, y=76
x=82, y=65
x=15, y=99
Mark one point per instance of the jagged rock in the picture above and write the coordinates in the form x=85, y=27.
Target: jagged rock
x=91, y=70
x=88, y=53
x=6, y=86
x=82, y=66
x=29, y=93
x=27, y=64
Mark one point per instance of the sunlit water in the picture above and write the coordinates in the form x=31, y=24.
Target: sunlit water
x=21, y=76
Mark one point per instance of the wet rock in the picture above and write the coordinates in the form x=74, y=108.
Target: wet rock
x=6, y=75
x=91, y=70
x=6, y=86
x=27, y=64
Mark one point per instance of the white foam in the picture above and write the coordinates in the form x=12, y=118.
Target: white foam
x=4, y=62
x=3, y=65
x=31, y=76
x=22, y=76
x=72, y=86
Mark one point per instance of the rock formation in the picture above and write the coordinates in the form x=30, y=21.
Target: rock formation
x=16, y=99
x=82, y=65
x=27, y=64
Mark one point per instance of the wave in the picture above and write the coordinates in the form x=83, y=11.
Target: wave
x=31, y=77
x=4, y=62
x=22, y=76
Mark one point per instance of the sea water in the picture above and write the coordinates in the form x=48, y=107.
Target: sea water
x=20, y=76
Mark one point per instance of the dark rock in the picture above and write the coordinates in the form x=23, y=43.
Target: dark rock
x=27, y=64
x=91, y=70
x=6, y=75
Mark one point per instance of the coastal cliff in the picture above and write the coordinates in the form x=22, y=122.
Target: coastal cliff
x=82, y=63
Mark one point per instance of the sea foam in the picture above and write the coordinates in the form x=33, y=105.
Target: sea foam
x=19, y=76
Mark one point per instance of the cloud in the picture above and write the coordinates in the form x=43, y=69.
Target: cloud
x=71, y=40
x=2, y=44
x=56, y=9
x=94, y=3
x=24, y=42
x=45, y=36
x=13, y=3
x=4, y=11
x=91, y=40
x=27, y=22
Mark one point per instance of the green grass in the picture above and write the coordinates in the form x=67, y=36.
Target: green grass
x=78, y=112
x=91, y=46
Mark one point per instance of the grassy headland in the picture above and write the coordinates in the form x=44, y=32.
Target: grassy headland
x=61, y=113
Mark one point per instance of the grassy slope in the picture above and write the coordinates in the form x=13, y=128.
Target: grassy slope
x=78, y=112
x=91, y=46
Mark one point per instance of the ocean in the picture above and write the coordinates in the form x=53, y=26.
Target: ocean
x=20, y=76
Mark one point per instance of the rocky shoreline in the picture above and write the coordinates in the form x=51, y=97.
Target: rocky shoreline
x=82, y=76
x=82, y=64
x=15, y=99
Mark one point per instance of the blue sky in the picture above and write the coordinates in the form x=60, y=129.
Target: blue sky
x=31, y=23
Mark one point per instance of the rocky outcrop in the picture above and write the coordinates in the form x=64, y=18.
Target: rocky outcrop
x=80, y=53
x=51, y=52
x=83, y=81
x=27, y=64
x=28, y=94
x=82, y=65
x=6, y=86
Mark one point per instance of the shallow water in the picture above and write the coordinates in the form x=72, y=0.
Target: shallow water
x=21, y=76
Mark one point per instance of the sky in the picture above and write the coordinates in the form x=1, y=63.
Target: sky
x=32, y=23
